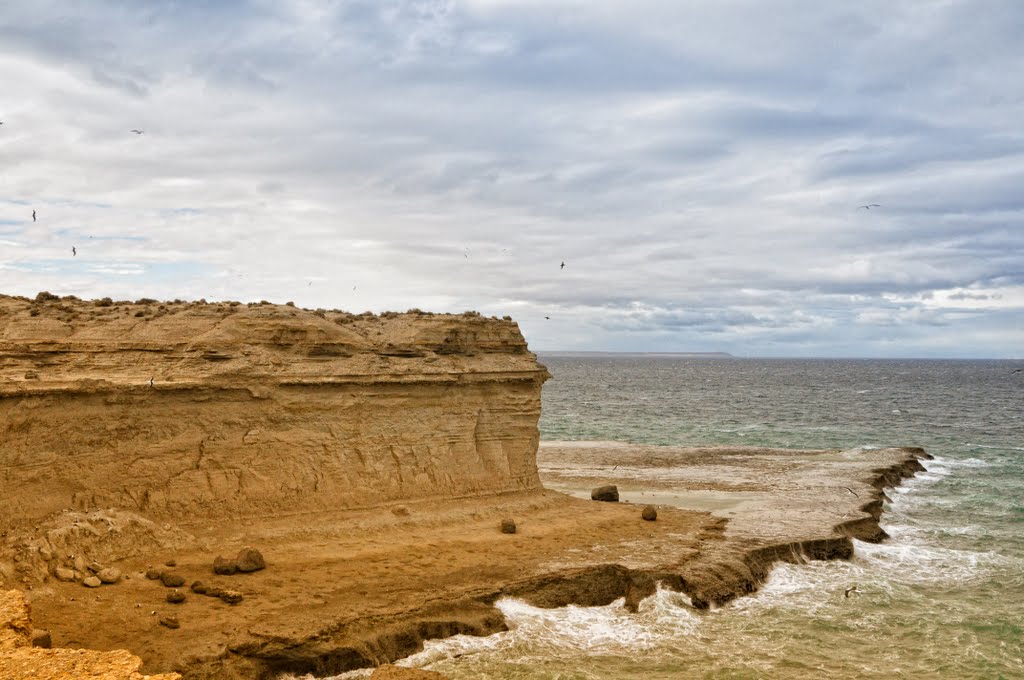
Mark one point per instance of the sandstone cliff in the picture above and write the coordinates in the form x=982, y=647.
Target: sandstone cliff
x=159, y=411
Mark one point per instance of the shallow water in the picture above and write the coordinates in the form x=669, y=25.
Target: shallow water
x=943, y=598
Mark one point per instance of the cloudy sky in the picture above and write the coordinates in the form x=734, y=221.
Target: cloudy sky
x=697, y=165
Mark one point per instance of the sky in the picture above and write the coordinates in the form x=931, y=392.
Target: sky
x=698, y=166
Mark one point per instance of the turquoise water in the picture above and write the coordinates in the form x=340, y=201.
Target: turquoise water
x=943, y=598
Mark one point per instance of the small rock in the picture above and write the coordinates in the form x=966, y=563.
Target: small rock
x=153, y=574
x=64, y=574
x=94, y=567
x=198, y=587
x=79, y=563
x=41, y=638
x=224, y=567
x=171, y=563
x=231, y=596
x=609, y=494
x=400, y=511
x=109, y=575
x=175, y=597
x=172, y=580
x=170, y=622
x=508, y=526
x=92, y=582
x=649, y=513
x=249, y=559
x=213, y=591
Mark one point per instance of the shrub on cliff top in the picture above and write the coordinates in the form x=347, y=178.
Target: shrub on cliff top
x=46, y=296
x=105, y=302
x=145, y=301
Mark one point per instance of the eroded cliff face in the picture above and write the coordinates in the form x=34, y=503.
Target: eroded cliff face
x=185, y=410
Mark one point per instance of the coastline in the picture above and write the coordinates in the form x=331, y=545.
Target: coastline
x=436, y=570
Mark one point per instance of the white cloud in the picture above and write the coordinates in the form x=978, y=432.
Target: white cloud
x=697, y=165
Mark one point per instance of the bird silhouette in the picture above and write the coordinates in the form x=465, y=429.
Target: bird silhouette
x=138, y=132
x=563, y=266
x=869, y=206
x=33, y=215
x=73, y=251
x=852, y=589
x=851, y=491
x=547, y=317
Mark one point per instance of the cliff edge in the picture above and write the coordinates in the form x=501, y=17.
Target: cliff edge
x=189, y=411
x=19, y=660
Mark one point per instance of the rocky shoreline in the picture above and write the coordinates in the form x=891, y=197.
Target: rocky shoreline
x=386, y=471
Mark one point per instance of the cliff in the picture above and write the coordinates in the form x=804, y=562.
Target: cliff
x=186, y=411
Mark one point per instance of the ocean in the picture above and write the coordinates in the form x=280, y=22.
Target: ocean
x=942, y=598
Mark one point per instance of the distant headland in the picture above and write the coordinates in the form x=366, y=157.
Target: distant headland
x=681, y=355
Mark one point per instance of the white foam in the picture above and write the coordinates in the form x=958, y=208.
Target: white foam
x=536, y=631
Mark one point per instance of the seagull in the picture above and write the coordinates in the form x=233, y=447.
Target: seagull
x=869, y=206
x=73, y=251
x=547, y=317
x=138, y=132
x=563, y=266
x=852, y=589
x=851, y=491
x=33, y=215
x=151, y=382
x=1016, y=371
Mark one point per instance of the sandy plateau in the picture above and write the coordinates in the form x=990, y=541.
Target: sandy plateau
x=371, y=460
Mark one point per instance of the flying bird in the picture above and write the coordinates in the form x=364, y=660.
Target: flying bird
x=547, y=317
x=33, y=215
x=73, y=251
x=1016, y=371
x=869, y=206
x=563, y=266
x=851, y=491
x=138, y=132
x=852, y=589
x=151, y=382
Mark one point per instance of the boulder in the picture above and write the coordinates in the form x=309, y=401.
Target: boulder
x=224, y=567
x=649, y=513
x=231, y=596
x=249, y=559
x=508, y=526
x=153, y=574
x=175, y=597
x=171, y=563
x=170, y=622
x=94, y=567
x=92, y=582
x=41, y=638
x=64, y=574
x=198, y=587
x=172, y=580
x=609, y=494
x=109, y=575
